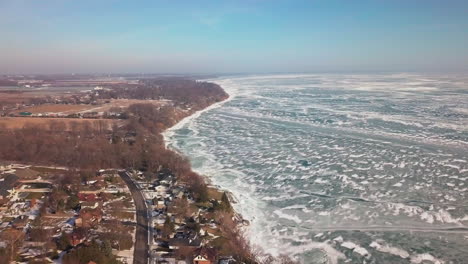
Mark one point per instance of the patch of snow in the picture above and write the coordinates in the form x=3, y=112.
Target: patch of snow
x=391, y=250
x=420, y=258
x=356, y=248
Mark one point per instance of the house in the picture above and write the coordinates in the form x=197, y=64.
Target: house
x=88, y=218
x=166, y=260
x=184, y=239
x=18, y=208
x=4, y=225
x=205, y=256
x=77, y=238
x=92, y=190
x=67, y=228
x=160, y=219
x=90, y=204
x=160, y=204
x=227, y=260
x=7, y=169
x=161, y=189
x=114, y=189
x=6, y=184
x=21, y=222
x=179, y=219
x=91, y=182
x=90, y=197
x=178, y=193
x=32, y=254
x=166, y=182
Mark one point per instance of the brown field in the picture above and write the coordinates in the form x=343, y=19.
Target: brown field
x=124, y=103
x=82, y=108
x=20, y=97
x=57, y=108
x=20, y=122
x=24, y=96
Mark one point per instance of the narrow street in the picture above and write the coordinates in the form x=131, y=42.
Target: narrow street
x=140, y=255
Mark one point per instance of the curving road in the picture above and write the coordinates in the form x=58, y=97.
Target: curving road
x=141, y=253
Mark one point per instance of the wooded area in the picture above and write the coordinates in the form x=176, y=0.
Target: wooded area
x=138, y=144
x=88, y=147
x=196, y=94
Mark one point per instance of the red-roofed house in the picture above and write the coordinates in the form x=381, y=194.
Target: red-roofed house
x=205, y=256
x=88, y=197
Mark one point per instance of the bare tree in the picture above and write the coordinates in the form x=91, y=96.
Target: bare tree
x=14, y=239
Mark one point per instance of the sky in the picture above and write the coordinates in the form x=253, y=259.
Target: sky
x=239, y=36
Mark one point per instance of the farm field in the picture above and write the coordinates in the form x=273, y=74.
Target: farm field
x=17, y=97
x=57, y=108
x=85, y=108
x=124, y=103
x=23, y=96
x=21, y=122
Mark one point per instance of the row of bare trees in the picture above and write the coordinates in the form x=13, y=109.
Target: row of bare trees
x=181, y=91
x=86, y=150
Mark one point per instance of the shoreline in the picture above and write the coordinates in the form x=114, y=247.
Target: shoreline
x=167, y=133
x=170, y=130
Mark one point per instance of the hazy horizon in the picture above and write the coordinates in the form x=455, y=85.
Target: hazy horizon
x=257, y=36
x=209, y=75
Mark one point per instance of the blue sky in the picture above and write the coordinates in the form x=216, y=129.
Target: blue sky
x=255, y=36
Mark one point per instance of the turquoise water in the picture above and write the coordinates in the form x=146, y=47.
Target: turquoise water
x=341, y=168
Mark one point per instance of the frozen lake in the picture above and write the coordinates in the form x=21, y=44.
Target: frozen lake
x=342, y=168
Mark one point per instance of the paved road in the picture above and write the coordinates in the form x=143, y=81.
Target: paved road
x=140, y=255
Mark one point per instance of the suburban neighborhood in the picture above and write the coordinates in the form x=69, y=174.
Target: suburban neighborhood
x=46, y=225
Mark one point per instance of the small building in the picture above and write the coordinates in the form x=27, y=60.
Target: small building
x=160, y=204
x=159, y=220
x=88, y=218
x=205, y=256
x=89, y=204
x=7, y=182
x=77, y=238
x=184, y=239
x=227, y=260
x=88, y=197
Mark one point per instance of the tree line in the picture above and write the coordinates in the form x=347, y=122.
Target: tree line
x=195, y=94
